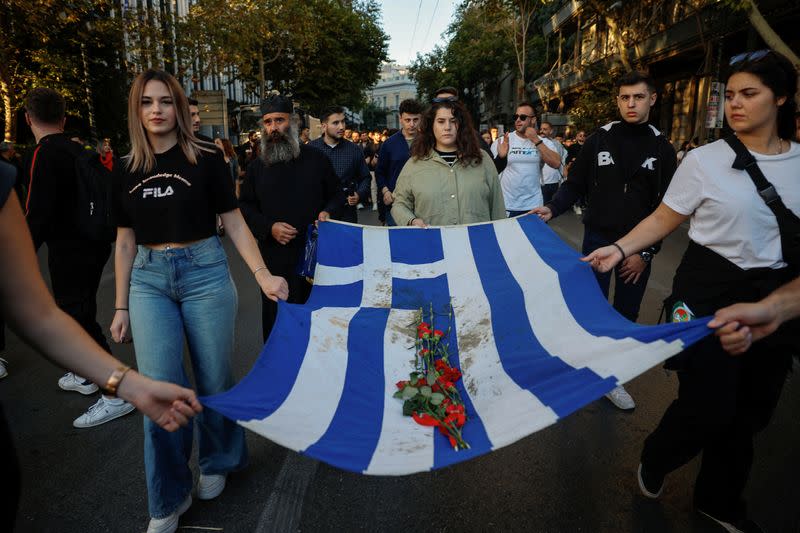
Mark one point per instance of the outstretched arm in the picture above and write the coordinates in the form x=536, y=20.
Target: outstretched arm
x=740, y=325
x=658, y=225
x=32, y=313
x=274, y=287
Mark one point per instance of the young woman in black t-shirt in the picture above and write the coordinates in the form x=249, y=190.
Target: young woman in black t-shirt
x=172, y=279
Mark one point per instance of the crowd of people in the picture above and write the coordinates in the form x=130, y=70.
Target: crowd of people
x=177, y=192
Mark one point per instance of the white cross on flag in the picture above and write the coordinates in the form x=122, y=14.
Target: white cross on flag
x=531, y=333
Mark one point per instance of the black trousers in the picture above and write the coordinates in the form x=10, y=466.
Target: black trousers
x=723, y=401
x=299, y=291
x=348, y=213
x=627, y=296
x=10, y=474
x=75, y=271
x=282, y=261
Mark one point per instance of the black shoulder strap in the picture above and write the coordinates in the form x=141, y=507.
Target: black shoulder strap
x=788, y=222
x=747, y=162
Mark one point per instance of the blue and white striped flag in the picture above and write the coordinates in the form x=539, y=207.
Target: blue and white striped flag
x=531, y=333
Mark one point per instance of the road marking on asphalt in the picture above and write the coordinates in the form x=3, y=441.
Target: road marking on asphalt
x=285, y=504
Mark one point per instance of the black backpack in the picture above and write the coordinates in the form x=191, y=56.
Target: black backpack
x=94, y=195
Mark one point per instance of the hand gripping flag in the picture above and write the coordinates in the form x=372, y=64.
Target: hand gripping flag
x=531, y=332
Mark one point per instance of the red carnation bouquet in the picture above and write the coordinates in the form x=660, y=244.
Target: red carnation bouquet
x=430, y=395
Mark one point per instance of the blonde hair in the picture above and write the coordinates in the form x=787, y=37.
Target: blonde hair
x=141, y=157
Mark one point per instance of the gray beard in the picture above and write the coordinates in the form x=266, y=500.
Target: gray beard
x=284, y=149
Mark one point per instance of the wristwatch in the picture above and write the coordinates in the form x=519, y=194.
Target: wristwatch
x=646, y=256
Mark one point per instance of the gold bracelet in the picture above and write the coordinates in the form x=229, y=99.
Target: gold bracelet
x=114, y=380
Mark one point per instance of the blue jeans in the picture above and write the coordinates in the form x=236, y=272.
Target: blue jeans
x=627, y=296
x=175, y=292
x=389, y=219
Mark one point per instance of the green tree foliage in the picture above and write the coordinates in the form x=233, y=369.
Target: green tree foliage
x=323, y=52
x=429, y=71
x=374, y=117
x=773, y=40
x=487, y=40
x=596, y=104
x=58, y=44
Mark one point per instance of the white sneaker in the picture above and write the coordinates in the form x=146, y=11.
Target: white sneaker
x=101, y=412
x=210, y=486
x=70, y=381
x=169, y=524
x=3, y=369
x=621, y=398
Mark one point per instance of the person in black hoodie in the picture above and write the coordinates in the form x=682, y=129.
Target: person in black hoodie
x=75, y=262
x=623, y=170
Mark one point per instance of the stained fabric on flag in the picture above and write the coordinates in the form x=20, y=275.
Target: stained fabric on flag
x=531, y=333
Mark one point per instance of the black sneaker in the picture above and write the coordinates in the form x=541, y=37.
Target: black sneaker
x=650, y=484
x=744, y=525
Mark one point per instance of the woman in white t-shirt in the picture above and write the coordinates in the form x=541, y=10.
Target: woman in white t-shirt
x=735, y=255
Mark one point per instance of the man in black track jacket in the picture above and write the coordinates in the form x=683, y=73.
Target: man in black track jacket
x=75, y=262
x=623, y=169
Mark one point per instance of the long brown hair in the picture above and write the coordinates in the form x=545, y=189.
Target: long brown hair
x=777, y=73
x=141, y=157
x=228, y=148
x=469, y=151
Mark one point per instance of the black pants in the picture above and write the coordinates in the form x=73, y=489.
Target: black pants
x=348, y=213
x=548, y=191
x=282, y=261
x=627, y=296
x=10, y=474
x=299, y=291
x=75, y=271
x=722, y=403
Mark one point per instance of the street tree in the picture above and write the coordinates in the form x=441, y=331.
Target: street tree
x=52, y=43
x=321, y=51
x=430, y=72
x=487, y=40
x=764, y=29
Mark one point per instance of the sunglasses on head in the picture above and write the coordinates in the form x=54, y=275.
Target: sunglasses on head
x=749, y=56
x=441, y=99
x=521, y=117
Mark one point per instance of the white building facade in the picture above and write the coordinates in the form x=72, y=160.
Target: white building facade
x=394, y=86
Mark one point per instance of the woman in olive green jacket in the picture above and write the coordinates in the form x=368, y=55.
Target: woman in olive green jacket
x=448, y=180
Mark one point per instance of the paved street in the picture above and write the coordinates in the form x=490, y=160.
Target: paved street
x=576, y=476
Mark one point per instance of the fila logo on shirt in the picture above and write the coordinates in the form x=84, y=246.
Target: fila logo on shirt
x=648, y=163
x=157, y=192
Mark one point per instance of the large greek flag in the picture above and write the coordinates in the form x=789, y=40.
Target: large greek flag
x=531, y=333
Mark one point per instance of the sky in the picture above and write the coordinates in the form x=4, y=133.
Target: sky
x=410, y=34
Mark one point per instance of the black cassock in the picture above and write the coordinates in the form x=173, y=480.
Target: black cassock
x=295, y=193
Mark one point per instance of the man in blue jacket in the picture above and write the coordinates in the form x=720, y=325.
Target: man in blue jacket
x=393, y=156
